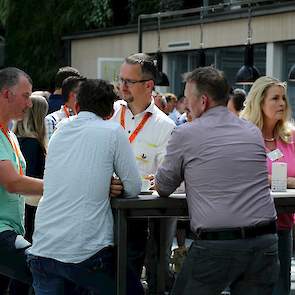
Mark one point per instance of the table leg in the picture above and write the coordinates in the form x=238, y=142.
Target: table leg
x=121, y=251
x=161, y=262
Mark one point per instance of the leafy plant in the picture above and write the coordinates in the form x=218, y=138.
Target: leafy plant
x=34, y=29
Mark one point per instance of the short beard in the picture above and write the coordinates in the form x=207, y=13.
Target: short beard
x=129, y=99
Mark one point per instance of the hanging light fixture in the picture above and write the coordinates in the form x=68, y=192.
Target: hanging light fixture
x=248, y=73
x=162, y=79
x=291, y=75
x=201, y=56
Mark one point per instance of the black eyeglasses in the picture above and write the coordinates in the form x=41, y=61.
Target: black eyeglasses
x=129, y=82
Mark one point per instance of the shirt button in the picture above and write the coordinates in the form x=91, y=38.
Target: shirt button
x=129, y=131
x=132, y=118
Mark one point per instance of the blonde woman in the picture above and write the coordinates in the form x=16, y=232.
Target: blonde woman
x=268, y=108
x=31, y=135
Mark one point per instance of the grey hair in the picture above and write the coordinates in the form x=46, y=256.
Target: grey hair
x=9, y=77
x=147, y=64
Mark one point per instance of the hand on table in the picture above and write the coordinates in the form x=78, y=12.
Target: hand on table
x=116, y=188
x=151, y=178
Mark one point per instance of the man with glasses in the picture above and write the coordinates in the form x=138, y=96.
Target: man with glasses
x=148, y=130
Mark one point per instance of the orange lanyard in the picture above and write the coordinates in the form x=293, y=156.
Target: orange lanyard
x=66, y=111
x=139, y=126
x=5, y=131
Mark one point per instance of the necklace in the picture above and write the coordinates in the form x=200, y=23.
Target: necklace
x=269, y=139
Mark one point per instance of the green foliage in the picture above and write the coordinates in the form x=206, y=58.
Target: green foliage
x=3, y=12
x=171, y=5
x=138, y=7
x=34, y=29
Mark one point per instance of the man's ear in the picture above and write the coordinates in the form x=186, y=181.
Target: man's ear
x=205, y=99
x=5, y=93
x=150, y=84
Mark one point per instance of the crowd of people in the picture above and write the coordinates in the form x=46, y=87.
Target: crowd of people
x=66, y=154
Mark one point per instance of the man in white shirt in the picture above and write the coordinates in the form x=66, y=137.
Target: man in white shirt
x=148, y=130
x=73, y=238
x=69, y=91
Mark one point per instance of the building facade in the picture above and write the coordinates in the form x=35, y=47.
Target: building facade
x=222, y=29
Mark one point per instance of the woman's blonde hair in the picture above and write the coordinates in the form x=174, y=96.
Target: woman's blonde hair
x=33, y=124
x=253, y=107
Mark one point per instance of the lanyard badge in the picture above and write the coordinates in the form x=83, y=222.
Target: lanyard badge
x=139, y=126
x=16, y=151
x=275, y=155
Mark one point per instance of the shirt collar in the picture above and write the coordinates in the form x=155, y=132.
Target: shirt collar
x=150, y=109
x=215, y=110
x=70, y=110
x=88, y=115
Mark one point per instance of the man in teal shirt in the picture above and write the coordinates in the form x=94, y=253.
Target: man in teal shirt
x=15, y=91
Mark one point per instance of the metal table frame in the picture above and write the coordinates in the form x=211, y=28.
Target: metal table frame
x=125, y=209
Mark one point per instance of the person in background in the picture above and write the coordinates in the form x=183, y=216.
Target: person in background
x=180, y=106
x=268, y=108
x=44, y=93
x=31, y=134
x=236, y=100
x=160, y=101
x=186, y=116
x=70, y=88
x=171, y=110
x=221, y=158
x=56, y=100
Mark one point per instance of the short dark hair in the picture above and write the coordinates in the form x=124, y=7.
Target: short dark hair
x=211, y=81
x=147, y=64
x=64, y=73
x=70, y=84
x=238, y=97
x=96, y=96
x=9, y=77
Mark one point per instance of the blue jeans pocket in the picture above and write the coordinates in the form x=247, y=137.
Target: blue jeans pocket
x=103, y=261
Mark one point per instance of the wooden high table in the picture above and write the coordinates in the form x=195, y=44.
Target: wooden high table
x=146, y=206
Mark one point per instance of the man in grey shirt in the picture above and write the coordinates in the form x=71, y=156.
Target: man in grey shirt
x=222, y=160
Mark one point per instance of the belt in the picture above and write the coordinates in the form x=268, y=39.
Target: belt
x=237, y=233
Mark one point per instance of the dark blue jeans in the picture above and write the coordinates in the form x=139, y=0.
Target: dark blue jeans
x=283, y=285
x=248, y=266
x=13, y=261
x=96, y=274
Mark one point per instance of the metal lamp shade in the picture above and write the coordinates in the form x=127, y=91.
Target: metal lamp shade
x=291, y=75
x=248, y=73
x=162, y=79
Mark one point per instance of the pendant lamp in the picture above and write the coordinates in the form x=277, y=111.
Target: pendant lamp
x=162, y=79
x=201, y=57
x=248, y=73
x=291, y=75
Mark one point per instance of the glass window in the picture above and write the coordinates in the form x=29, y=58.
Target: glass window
x=228, y=60
x=288, y=62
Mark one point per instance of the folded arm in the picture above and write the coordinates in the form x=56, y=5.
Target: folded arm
x=15, y=183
